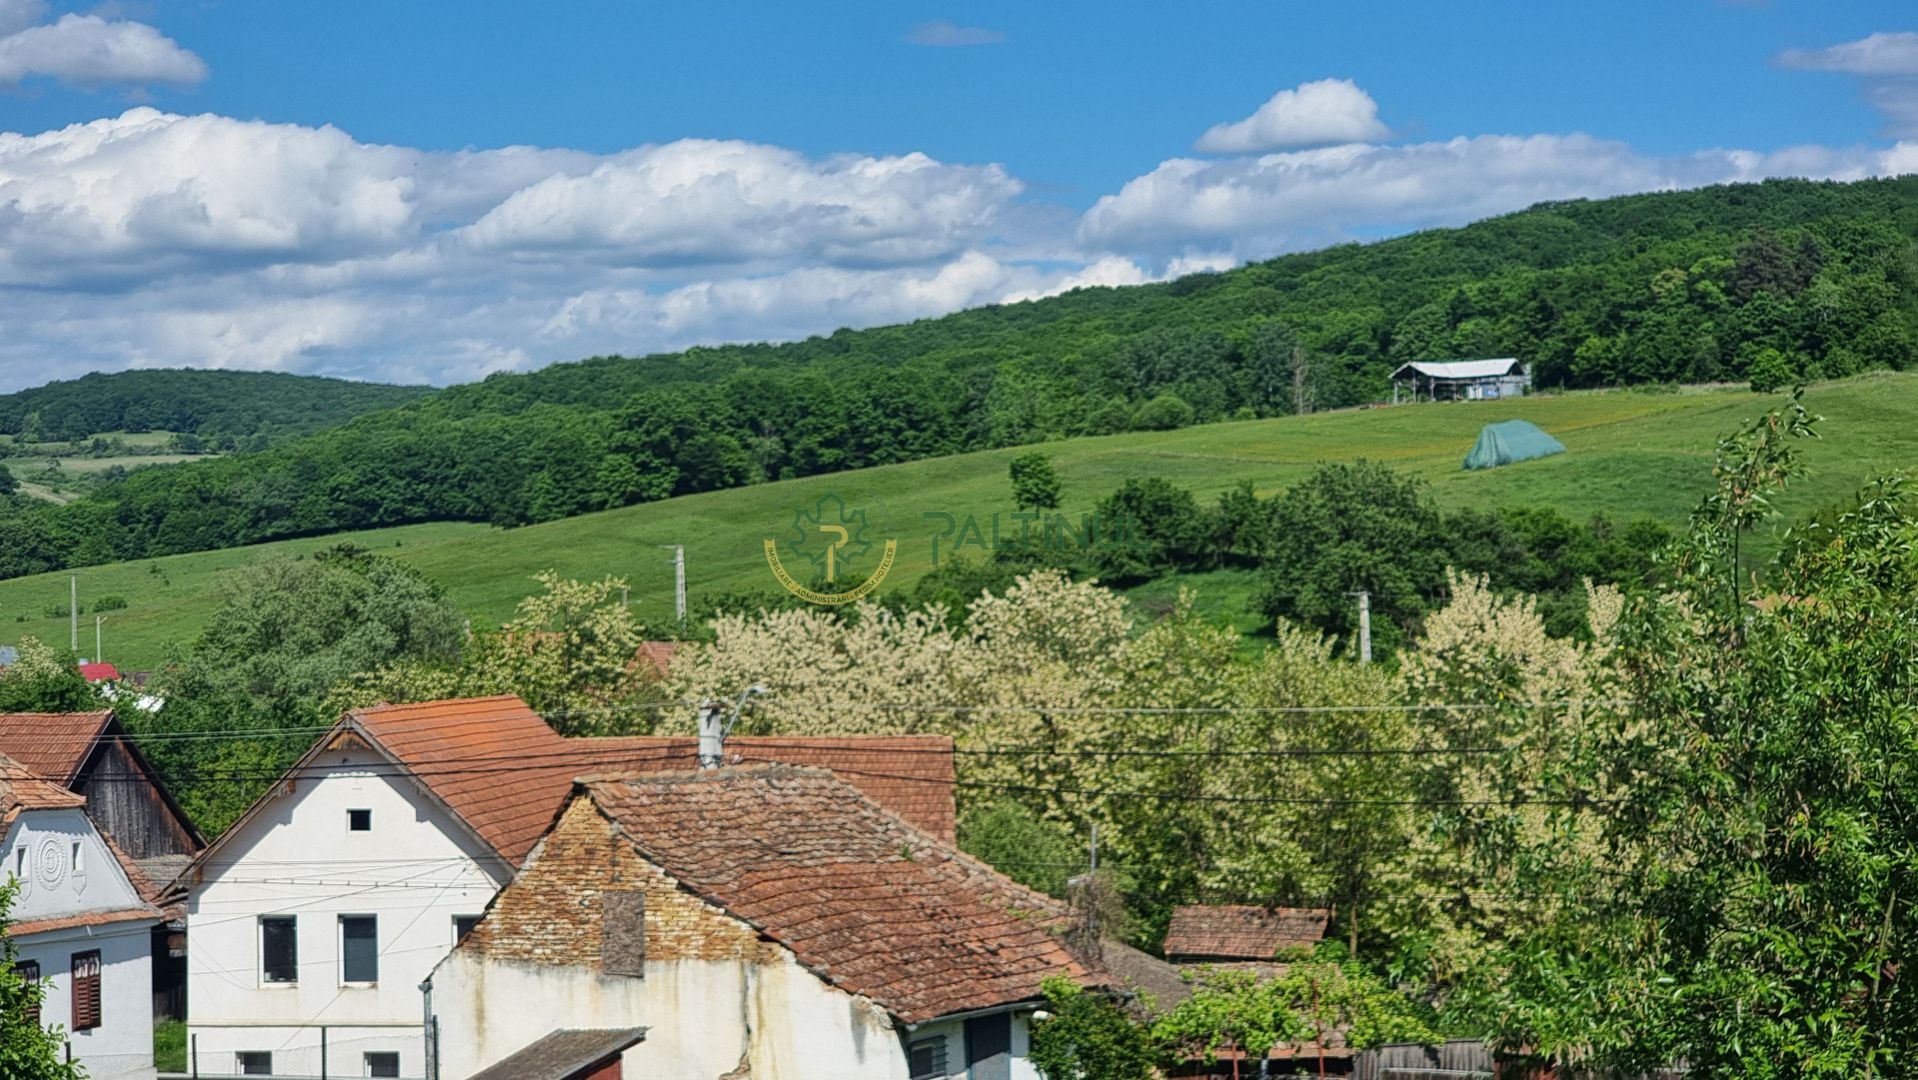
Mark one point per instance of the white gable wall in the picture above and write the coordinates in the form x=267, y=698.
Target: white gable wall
x=122, y=1046
x=414, y=870
x=701, y=1017
x=50, y=887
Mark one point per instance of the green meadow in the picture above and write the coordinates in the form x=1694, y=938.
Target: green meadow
x=1631, y=453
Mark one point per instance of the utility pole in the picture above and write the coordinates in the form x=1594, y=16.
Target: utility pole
x=73, y=613
x=98, y=656
x=1365, y=625
x=1093, y=891
x=679, y=579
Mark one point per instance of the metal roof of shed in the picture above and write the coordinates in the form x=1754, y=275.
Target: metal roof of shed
x=1461, y=369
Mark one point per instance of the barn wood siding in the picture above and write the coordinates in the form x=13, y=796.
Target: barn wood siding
x=123, y=802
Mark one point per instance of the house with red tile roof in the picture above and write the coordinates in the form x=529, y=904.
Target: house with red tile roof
x=319, y=911
x=91, y=754
x=81, y=923
x=1240, y=933
x=766, y=921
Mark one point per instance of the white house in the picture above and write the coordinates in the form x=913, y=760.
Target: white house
x=769, y=922
x=82, y=924
x=314, y=918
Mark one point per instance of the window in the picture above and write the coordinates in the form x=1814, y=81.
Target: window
x=279, y=949
x=29, y=972
x=383, y=1063
x=462, y=926
x=76, y=866
x=20, y=863
x=926, y=1058
x=359, y=820
x=255, y=1062
x=86, y=990
x=359, y=949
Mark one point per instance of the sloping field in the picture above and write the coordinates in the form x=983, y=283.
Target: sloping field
x=1630, y=453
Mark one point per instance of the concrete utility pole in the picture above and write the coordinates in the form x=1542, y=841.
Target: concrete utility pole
x=73, y=613
x=98, y=656
x=679, y=579
x=1365, y=626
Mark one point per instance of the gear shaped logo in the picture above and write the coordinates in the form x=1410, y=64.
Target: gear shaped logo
x=835, y=541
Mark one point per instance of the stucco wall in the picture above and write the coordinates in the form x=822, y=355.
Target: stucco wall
x=415, y=870
x=50, y=887
x=121, y=1048
x=703, y=1018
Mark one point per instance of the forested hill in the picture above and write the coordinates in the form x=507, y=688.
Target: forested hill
x=1770, y=282
x=225, y=410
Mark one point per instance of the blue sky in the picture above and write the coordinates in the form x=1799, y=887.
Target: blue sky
x=326, y=187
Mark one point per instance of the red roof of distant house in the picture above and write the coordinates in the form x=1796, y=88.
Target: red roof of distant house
x=100, y=672
x=504, y=771
x=52, y=745
x=1241, y=931
x=659, y=654
x=863, y=900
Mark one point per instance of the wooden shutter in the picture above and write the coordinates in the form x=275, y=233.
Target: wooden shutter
x=86, y=990
x=29, y=972
x=622, y=945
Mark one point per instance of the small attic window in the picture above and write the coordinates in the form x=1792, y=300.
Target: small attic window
x=359, y=821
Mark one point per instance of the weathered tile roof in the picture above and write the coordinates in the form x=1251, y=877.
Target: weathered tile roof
x=561, y=1054
x=861, y=898
x=502, y=769
x=85, y=918
x=21, y=790
x=910, y=775
x=53, y=745
x=658, y=655
x=1241, y=931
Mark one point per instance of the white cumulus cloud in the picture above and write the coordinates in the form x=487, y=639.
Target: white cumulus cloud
x=88, y=51
x=1259, y=206
x=1314, y=114
x=1888, y=65
x=1879, y=54
x=704, y=201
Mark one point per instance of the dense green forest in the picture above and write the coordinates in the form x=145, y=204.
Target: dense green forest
x=1772, y=283
x=221, y=410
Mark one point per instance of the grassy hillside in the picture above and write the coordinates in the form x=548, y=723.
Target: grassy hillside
x=1631, y=453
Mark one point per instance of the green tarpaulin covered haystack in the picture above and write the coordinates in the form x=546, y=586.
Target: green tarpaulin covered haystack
x=1508, y=441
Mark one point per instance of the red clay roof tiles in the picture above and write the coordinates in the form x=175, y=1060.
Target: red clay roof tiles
x=1241, y=932
x=502, y=769
x=21, y=790
x=863, y=899
x=52, y=745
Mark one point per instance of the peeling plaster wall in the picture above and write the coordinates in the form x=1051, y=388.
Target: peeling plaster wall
x=702, y=1017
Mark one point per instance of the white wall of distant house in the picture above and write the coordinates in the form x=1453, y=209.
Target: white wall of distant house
x=121, y=1048
x=700, y=1018
x=38, y=849
x=415, y=870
